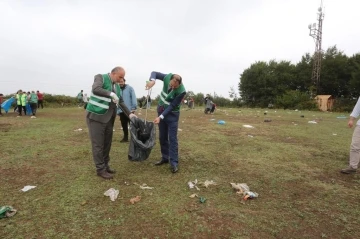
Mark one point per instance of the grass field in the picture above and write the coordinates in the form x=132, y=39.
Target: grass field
x=293, y=166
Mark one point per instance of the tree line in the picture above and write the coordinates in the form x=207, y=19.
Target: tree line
x=287, y=85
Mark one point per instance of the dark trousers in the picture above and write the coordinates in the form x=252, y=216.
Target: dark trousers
x=124, y=124
x=40, y=102
x=33, y=107
x=21, y=108
x=101, y=138
x=168, y=128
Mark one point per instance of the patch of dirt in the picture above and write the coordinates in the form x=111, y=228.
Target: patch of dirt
x=5, y=127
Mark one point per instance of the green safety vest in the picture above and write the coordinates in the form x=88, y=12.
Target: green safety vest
x=23, y=99
x=165, y=98
x=33, y=98
x=100, y=104
x=18, y=99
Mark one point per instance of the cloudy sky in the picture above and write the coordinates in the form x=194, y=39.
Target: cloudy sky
x=58, y=46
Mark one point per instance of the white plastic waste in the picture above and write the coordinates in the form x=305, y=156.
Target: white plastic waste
x=112, y=193
x=27, y=188
x=207, y=183
x=145, y=186
x=248, y=126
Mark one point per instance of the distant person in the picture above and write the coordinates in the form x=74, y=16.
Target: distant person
x=100, y=117
x=23, y=101
x=18, y=101
x=213, y=107
x=141, y=101
x=33, y=100
x=86, y=100
x=129, y=97
x=191, y=103
x=40, y=99
x=80, y=98
x=355, y=142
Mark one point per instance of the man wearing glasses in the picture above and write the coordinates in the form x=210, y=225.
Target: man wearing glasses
x=168, y=109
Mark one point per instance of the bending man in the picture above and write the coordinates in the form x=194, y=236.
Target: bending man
x=168, y=116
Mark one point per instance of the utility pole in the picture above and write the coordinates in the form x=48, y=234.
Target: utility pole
x=316, y=33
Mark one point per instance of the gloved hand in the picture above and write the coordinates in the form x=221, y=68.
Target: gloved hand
x=132, y=115
x=114, y=97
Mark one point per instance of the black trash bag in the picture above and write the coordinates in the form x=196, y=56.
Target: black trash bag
x=143, y=139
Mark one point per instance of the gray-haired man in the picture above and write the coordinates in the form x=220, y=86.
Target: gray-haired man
x=105, y=95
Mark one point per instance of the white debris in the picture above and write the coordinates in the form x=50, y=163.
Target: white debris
x=79, y=129
x=241, y=187
x=248, y=126
x=193, y=195
x=192, y=184
x=27, y=188
x=312, y=122
x=179, y=129
x=144, y=186
x=207, y=183
x=112, y=193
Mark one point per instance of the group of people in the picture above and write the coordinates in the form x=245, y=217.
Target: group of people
x=23, y=99
x=111, y=96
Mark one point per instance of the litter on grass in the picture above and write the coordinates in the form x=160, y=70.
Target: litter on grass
x=135, y=199
x=27, y=188
x=112, y=193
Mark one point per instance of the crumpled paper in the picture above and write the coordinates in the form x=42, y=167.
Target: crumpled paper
x=112, y=193
x=192, y=184
x=27, y=188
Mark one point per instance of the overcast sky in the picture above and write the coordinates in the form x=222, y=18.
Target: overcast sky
x=58, y=46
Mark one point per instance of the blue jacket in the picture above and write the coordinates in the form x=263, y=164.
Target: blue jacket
x=129, y=97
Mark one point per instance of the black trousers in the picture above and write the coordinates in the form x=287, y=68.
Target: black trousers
x=124, y=124
x=21, y=108
x=40, y=103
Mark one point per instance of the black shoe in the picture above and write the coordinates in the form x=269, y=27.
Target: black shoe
x=111, y=171
x=104, y=174
x=161, y=162
x=174, y=169
x=124, y=140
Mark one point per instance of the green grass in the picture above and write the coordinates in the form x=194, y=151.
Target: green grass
x=293, y=165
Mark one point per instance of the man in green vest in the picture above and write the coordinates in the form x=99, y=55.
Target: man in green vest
x=101, y=114
x=33, y=100
x=18, y=101
x=80, y=98
x=23, y=98
x=168, y=116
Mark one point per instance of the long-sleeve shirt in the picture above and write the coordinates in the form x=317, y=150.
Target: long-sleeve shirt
x=356, y=111
x=177, y=101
